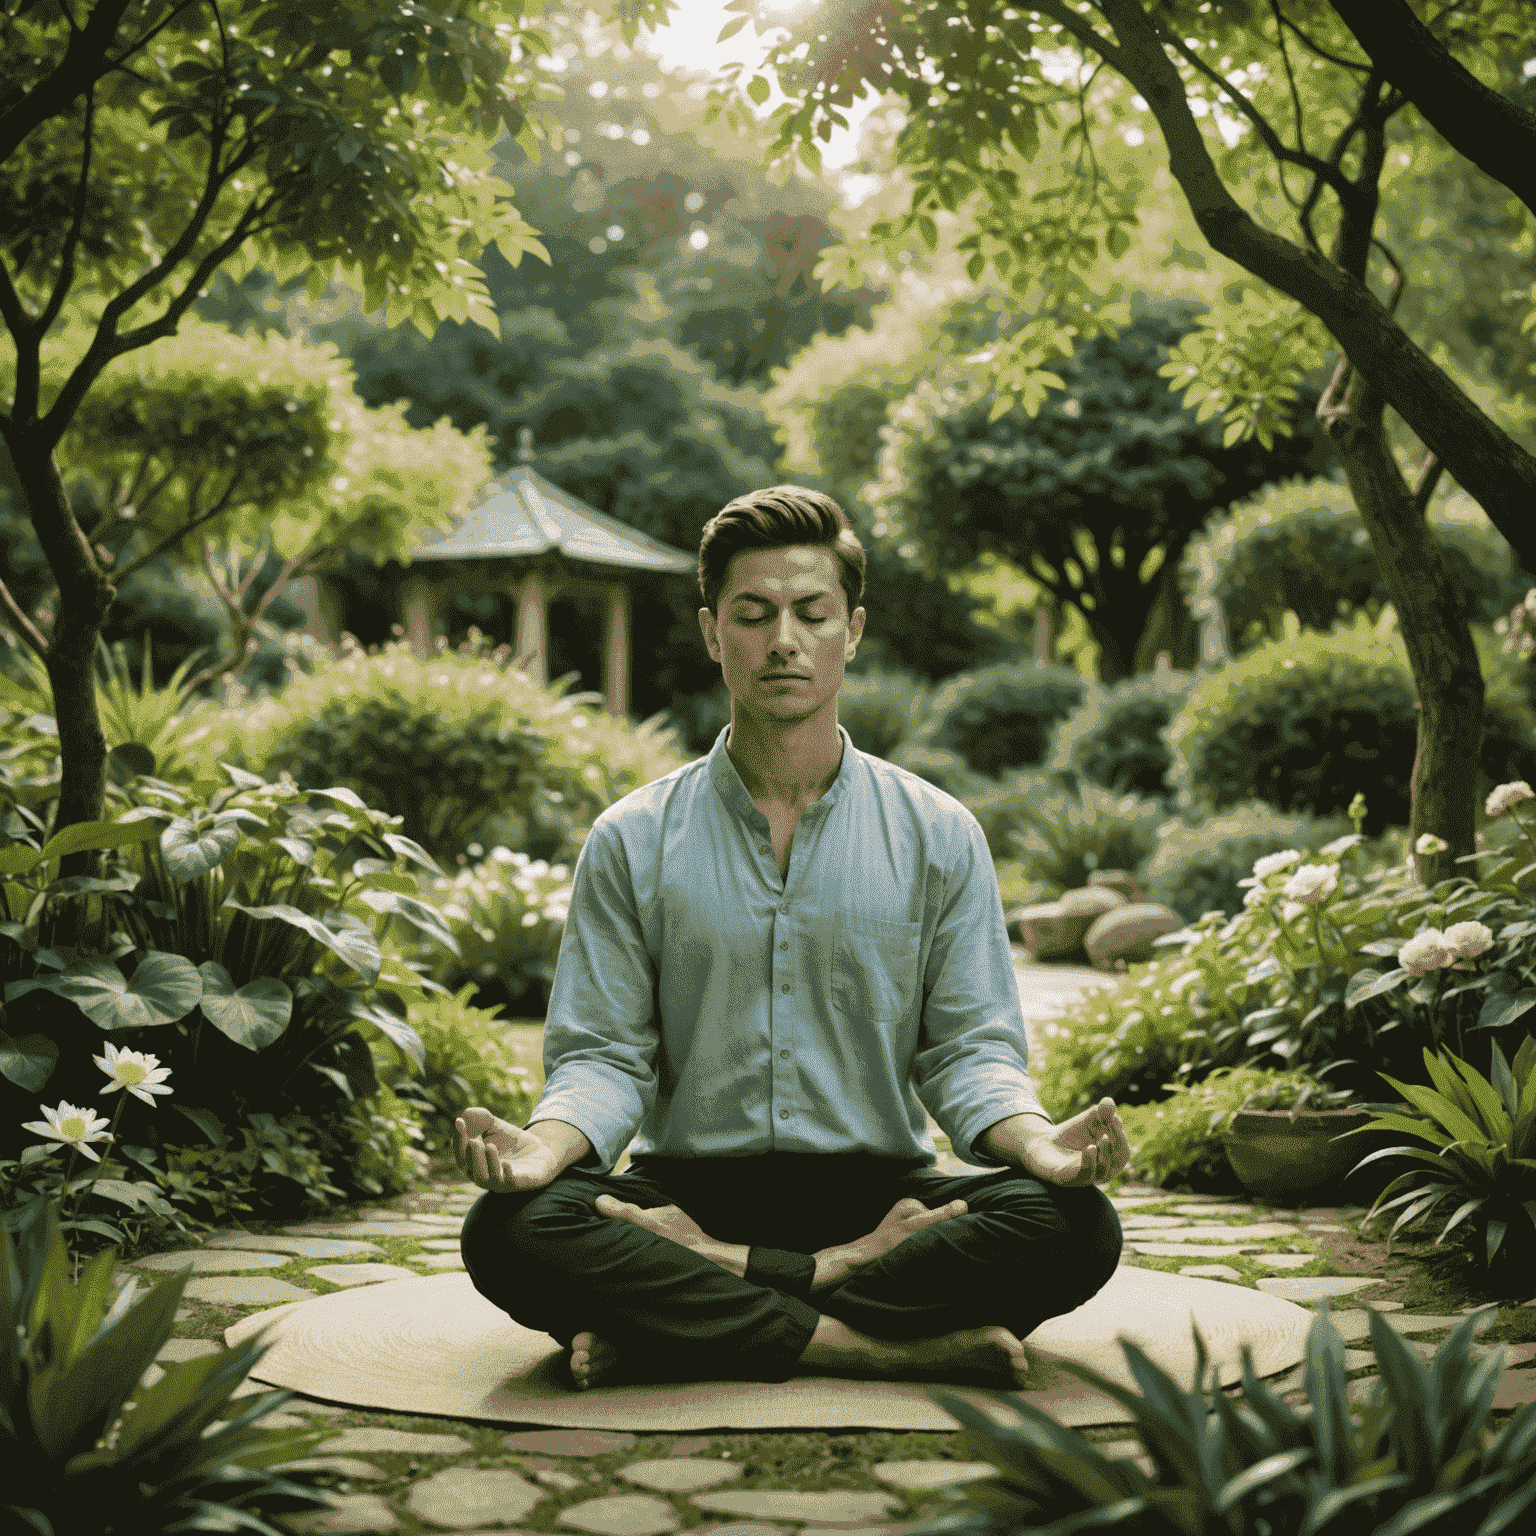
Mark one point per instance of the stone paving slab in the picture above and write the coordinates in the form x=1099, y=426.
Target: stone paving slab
x=836, y=1507
x=203, y=1262
x=1284, y=1260
x=681, y=1474
x=366, y=1229
x=1189, y=1250
x=342, y=1466
x=348, y=1512
x=1211, y=1271
x=931, y=1474
x=360, y=1274
x=441, y=1244
x=243, y=1290
x=568, y=1442
x=370, y=1441
x=1515, y=1389
x=1309, y=1288
x=301, y=1247
x=1204, y=1208
x=1133, y=1222
x=188, y=1349
x=1215, y=1231
x=459, y=1497
x=622, y=1514
x=452, y=1260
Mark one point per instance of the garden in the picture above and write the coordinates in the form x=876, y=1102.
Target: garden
x=1213, y=603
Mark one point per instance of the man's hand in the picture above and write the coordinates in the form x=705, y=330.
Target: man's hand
x=1087, y=1149
x=498, y=1156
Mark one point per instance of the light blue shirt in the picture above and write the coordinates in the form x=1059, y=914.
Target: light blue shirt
x=719, y=1009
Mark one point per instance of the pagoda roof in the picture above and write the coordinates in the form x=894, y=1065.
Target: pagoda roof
x=524, y=514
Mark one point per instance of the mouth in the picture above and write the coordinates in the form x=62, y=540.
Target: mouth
x=785, y=677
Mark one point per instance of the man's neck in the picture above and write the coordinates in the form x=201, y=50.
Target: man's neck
x=789, y=764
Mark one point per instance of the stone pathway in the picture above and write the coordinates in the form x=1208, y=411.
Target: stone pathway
x=392, y=1472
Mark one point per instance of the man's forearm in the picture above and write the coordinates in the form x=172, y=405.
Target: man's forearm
x=1008, y=1140
x=563, y=1139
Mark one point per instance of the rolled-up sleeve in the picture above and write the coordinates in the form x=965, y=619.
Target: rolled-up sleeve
x=601, y=1034
x=971, y=1066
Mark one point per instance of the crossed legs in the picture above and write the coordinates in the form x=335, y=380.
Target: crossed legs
x=947, y=1282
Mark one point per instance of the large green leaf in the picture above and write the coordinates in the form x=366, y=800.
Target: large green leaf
x=354, y=947
x=413, y=851
x=84, y=835
x=190, y=851
x=18, y=859
x=394, y=1028
x=163, y=989
x=419, y=914
x=27, y=1060
x=254, y=1015
x=1368, y=983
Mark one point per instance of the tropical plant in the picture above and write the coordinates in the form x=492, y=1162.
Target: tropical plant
x=1418, y=1454
x=1178, y=1139
x=1068, y=826
x=1484, y=1160
x=89, y=1449
x=469, y=1059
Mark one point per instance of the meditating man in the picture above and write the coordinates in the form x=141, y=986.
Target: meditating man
x=776, y=957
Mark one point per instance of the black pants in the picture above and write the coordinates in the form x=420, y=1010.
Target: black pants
x=1022, y=1252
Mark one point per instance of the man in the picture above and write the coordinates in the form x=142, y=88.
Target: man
x=775, y=957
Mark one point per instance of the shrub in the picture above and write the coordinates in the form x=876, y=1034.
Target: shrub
x=1060, y=837
x=1002, y=716
x=945, y=770
x=1115, y=736
x=1200, y=868
x=1304, y=548
x=469, y=1059
x=1177, y=1140
x=1172, y=1019
x=463, y=746
x=1305, y=723
x=507, y=914
x=881, y=709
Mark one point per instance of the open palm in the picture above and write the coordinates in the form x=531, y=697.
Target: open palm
x=499, y=1156
x=1087, y=1149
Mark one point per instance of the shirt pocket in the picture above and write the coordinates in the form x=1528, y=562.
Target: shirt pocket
x=874, y=967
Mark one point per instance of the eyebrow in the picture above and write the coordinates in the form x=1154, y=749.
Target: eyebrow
x=768, y=602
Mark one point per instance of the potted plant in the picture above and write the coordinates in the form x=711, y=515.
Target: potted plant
x=1282, y=1142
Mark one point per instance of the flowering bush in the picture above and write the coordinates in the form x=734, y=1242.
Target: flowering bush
x=507, y=914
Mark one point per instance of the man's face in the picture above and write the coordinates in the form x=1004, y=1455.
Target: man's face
x=784, y=634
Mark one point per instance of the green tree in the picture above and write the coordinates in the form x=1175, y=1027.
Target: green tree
x=145, y=144
x=1095, y=495
x=1285, y=143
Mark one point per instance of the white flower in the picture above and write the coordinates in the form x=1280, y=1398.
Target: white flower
x=71, y=1126
x=1502, y=796
x=1254, y=897
x=1429, y=843
x=141, y=1074
x=1273, y=861
x=1342, y=845
x=1292, y=909
x=1424, y=952
x=1312, y=883
x=1468, y=939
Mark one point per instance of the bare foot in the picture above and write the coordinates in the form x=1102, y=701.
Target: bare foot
x=987, y=1357
x=592, y=1360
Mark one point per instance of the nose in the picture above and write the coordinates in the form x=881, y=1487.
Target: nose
x=784, y=636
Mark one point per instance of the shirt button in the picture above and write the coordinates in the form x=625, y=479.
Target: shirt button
x=785, y=907
x=784, y=944
x=762, y=847
x=783, y=1114
x=784, y=1055
x=785, y=987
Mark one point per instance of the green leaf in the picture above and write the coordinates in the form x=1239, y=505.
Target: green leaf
x=1368, y=983
x=419, y=914
x=208, y=1123
x=413, y=851
x=757, y=87
x=1116, y=241
x=731, y=28
x=393, y=1028
x=27, y=1060
x=18, y=859
x=189, y=853
x=1259, y=1474
x=82, y=836
x=355, y=948
x=254, y=1015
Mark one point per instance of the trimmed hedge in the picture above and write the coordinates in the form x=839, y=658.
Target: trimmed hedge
x=1305, y=723
x=461, y=745
x=1002, y=717
x=882, y=709
x=1116, y=737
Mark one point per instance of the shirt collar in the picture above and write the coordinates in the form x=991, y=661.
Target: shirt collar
x=728, y=784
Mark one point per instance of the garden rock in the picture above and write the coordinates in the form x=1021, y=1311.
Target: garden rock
x=1127, y=933
x=1121, y=881
x=621, y=1514
x=1045, y=930
x=459, y=1497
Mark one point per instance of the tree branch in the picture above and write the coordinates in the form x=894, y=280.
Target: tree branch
x=1478, y=122
x=178, y=534
x=66, y=279
x=77, y=71
x=34, y=637
x=1428, y=479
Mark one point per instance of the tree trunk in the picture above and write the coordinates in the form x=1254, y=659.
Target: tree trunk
x=84, y=596
x=1432, y=621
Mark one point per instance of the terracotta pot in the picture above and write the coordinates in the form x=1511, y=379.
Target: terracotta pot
x=1277, y=1156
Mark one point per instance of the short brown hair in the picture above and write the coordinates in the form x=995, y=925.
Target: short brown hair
x=775, y=518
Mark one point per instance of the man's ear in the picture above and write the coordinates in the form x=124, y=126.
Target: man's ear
x=707, y=623
x=855, y=631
